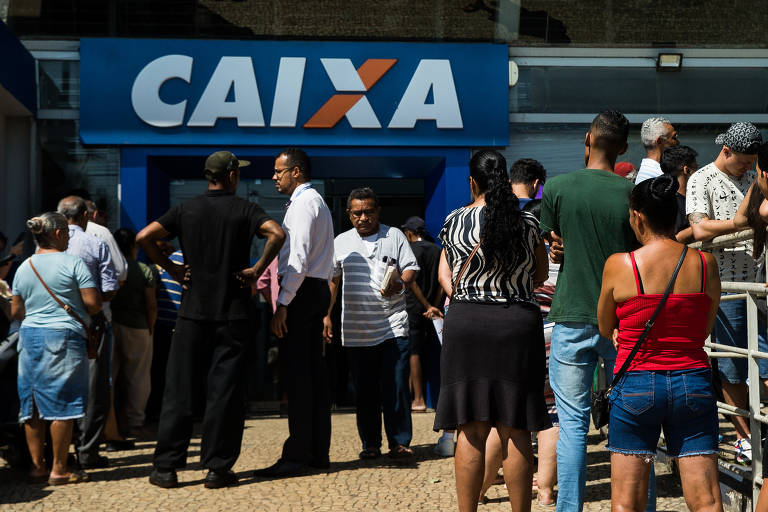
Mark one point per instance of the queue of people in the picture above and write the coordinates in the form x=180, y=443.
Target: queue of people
x=628, y=292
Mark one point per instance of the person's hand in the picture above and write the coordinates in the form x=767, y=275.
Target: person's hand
x=432, y=312
x=615, y=339
x=180, y=273
x=247, y=277
x=556, y=249
x=279, y=326
x=327, y=329
x=395, y=285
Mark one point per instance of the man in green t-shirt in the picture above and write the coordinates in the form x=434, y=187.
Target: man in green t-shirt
x=589, y=210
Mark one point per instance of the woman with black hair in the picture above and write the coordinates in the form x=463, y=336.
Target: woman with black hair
x=668, y=383
x=492, y=360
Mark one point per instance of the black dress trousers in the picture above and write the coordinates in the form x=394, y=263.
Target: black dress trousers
x=215, y=352
x=307, y=386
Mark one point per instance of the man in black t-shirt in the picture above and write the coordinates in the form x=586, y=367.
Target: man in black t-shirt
x=680, y=163
x=215, y=231
x=421, y=331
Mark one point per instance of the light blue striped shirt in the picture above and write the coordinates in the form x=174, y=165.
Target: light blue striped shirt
x=95, y=253
x=368, y=318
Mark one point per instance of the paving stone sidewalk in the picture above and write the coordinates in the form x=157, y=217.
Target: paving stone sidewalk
x=350, y=484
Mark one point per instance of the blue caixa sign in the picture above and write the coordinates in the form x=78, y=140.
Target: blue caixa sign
x=203, y=92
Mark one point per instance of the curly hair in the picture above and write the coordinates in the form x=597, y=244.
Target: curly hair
x=502, y=229
x=753, y=206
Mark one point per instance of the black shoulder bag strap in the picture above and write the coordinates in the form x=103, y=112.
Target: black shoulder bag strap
x=649, y=324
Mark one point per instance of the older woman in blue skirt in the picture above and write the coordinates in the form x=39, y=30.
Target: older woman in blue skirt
x=53, y=370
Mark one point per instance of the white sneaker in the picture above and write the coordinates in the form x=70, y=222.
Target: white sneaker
x=743, y=451
x=444, y=447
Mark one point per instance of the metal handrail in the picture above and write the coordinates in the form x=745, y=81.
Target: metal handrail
x=751, y=292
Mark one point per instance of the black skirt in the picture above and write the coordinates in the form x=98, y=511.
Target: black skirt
x=492, y=366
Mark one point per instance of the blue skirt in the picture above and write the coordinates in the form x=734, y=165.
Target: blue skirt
x=53, y=373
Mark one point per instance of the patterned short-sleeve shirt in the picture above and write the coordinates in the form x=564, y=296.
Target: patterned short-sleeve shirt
x=718, y=195
x=485, y=281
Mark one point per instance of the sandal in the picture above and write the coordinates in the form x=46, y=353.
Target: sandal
x=401, y=452
x=418, y=408
x=370, y=453
x=74, y=477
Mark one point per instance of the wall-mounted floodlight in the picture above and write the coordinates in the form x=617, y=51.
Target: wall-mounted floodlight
x=669, y=62
x=514, y=73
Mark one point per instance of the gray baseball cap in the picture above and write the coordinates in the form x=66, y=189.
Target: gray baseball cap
x=741, y=138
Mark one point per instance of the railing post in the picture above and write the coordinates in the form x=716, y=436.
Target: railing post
x=754, y=397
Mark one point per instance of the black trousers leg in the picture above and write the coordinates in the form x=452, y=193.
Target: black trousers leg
x=307, y=386
x=92, y=424
x=364, y=364
x=225, y=403
x=176, y=416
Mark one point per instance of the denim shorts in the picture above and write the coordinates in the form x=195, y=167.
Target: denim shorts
x=731, y=329
x=681, y=402
x=53, y=373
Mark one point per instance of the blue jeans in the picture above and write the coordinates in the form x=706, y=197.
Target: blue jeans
x=380, y=375
x=572, y=360
x=731, y=329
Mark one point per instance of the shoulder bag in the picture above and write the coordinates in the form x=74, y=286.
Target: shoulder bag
x=464, y=268
x=92, y=336
x=601, y=406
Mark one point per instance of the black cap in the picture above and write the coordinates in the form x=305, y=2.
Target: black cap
x=222, y=162
x=415, y=224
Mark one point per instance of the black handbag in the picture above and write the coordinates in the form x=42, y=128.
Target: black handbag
x=601, y=405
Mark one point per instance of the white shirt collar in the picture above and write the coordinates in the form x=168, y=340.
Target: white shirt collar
x=298, y=190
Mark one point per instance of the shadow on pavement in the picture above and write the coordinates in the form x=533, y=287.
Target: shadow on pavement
x=11, y=492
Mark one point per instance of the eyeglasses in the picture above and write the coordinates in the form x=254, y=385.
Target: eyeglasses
x=359, y=213
x=279, y=172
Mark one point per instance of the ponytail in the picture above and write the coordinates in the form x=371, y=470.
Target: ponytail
x=502, y=229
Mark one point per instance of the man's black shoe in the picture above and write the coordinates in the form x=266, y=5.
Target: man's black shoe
x=95, y=462
x=320, y=464
x=166, y=479
x=217, y=478
x=119, y=445
x=281, y=468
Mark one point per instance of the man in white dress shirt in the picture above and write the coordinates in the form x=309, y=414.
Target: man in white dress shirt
x=305, y=268
x=657, y=134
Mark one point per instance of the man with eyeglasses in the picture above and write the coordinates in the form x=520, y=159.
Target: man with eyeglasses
x=305, y=268
x=657, y=134
x=377, y=264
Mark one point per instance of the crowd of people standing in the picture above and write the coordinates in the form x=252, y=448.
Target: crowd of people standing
x=601, y=253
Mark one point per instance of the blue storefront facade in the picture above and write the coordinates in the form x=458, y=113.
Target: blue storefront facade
x=395, y=111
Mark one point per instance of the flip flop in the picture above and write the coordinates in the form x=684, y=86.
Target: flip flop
x=546, y=504
x=401, y=452
x=74, y=477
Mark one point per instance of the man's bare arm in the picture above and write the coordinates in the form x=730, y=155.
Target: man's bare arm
x=705, y=228
x=147, y=238
x=275, y=236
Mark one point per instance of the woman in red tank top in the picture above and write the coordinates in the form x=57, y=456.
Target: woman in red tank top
x=668, y=382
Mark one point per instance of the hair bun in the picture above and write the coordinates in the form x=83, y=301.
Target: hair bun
x=663, y=187
x=35, y=225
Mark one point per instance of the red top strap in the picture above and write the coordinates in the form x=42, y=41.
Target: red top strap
x=703, y=272
x=638, y=283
